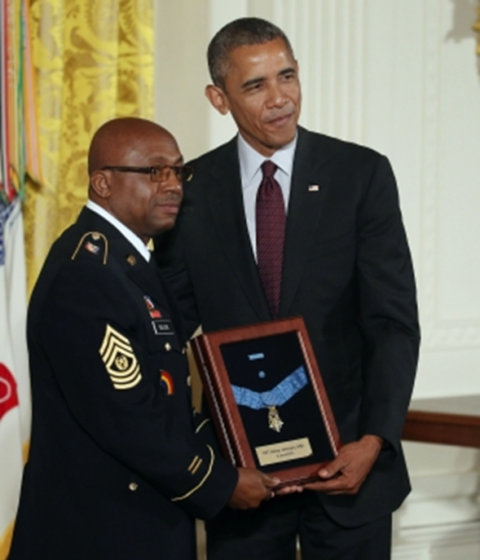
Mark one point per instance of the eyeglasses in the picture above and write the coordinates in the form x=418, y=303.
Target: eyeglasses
x=158, y=174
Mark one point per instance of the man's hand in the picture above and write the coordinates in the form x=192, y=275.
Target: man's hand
x=252, y=488
x=285, y=490
x=347, y=472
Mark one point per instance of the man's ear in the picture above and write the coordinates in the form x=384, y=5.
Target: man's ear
x=100, y=184
x=217, y=98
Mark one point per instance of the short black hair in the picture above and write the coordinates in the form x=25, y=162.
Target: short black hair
x=243, y=31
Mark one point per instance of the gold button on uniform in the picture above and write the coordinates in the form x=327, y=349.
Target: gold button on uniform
x=168, y=346
x=133, y=486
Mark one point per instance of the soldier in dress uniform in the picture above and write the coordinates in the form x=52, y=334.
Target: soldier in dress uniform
x=119, y=466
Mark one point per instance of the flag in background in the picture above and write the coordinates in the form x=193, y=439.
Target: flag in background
x=14, y=381
x=19, y=156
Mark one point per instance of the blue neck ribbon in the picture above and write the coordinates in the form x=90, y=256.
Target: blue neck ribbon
x=277, y=396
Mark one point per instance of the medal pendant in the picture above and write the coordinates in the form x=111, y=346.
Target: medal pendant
x=275, y=423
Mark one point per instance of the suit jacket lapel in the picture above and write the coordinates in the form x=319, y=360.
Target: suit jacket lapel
x=225, y=200
x=304, y=215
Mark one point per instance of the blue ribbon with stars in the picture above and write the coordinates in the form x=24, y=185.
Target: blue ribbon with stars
x=277, y=396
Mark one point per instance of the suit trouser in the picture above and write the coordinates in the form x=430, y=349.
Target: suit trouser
x=270, y=533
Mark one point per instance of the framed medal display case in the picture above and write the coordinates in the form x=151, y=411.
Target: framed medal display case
x=267, y=399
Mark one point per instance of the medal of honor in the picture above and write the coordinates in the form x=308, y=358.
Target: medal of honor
x=274, y=420
x=274, y=398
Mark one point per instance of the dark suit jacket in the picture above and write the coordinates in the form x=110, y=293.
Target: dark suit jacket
x=347, y=271
x=115, y=469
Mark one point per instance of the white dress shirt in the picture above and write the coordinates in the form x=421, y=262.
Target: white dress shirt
x=251, y=176
x=126, y=232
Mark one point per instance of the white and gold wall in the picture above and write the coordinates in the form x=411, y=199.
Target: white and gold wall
x=402, y=77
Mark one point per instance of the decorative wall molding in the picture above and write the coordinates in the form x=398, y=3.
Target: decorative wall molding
x=329, y=43
x=443, y=542
x=449, y=498
x=440, y=333
x=431, y=108
x=440, y=520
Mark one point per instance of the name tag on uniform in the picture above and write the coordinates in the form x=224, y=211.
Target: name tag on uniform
x=163, y=326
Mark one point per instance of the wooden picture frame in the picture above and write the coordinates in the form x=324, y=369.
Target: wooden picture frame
x=267, y=399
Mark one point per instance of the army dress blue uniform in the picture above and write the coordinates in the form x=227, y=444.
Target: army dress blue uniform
x=118, y=467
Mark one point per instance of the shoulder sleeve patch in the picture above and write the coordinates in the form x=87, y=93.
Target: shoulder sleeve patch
x=120, y=360
x=93, y=243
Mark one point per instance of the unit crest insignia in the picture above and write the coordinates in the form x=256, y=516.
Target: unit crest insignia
x=120, y=360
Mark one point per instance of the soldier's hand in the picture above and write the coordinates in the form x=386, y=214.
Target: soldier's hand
x=252, y=488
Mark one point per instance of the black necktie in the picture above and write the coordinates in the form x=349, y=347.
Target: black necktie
x=270, y=221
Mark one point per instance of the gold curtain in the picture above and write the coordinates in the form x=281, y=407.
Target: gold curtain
x=93, y=61
x=476, y=28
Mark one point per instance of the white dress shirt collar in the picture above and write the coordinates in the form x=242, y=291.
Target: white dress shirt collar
x=126, y=232
x=251, y=160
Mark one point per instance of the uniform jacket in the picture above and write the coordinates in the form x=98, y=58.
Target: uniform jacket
x=116, y=469
x=346, y=270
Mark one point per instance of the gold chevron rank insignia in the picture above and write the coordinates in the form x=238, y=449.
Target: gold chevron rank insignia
x=120, y=360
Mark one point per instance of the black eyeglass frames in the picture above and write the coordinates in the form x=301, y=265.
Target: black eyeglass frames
x=158, y=173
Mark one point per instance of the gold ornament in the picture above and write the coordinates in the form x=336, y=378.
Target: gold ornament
x=275, y=423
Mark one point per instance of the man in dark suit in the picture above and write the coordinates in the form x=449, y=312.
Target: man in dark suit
x=344, y=265
x=118, y=466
